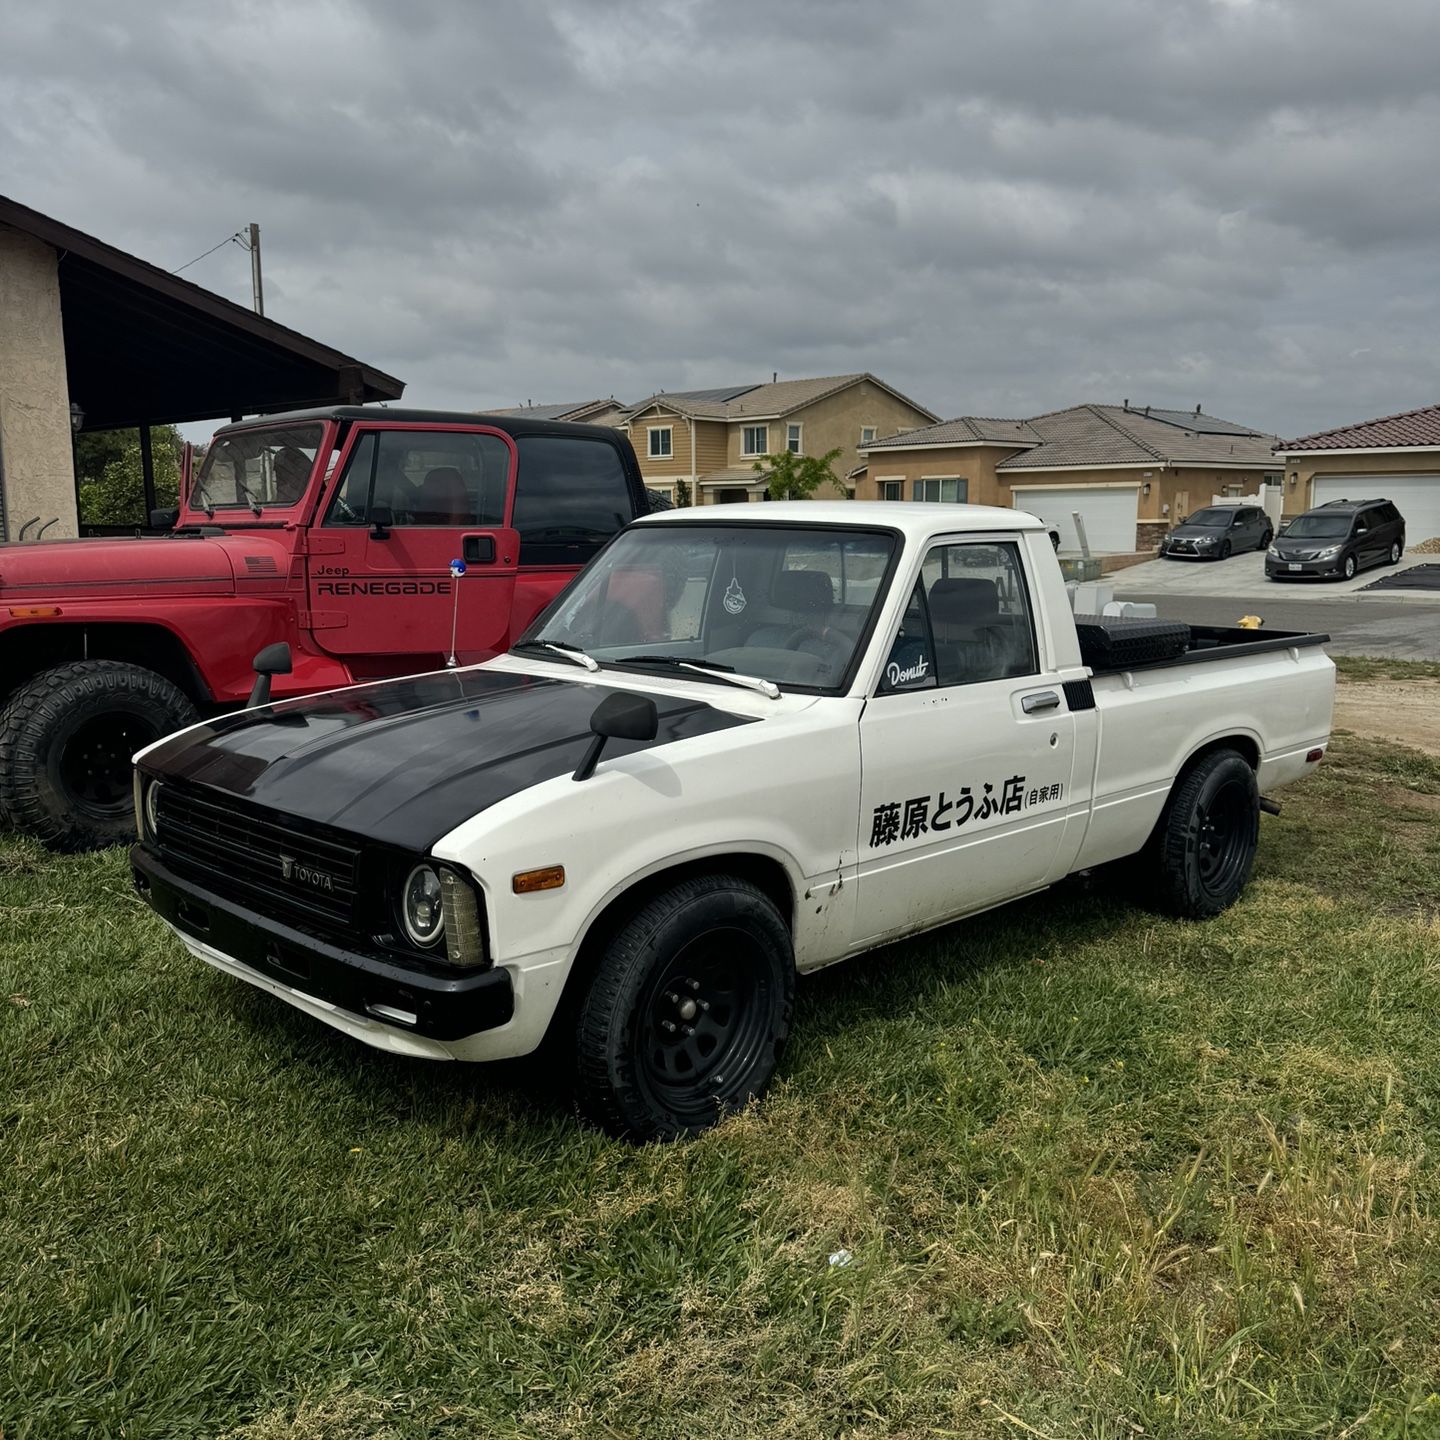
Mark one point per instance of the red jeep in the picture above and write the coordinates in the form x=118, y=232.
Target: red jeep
x=333, y=530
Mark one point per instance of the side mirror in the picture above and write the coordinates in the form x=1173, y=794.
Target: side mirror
x=272, y=660
x=381, y=519
x=620, y=717
x=163, y=519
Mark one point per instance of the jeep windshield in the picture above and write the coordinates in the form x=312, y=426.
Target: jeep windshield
x=257, y=470
x=787, y=604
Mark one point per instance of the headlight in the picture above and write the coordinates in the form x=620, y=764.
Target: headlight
x=422, y=912
x=1205, y=540
x=147, y=807
x=1329, y=553
x=438, y=902
x=1273, y=551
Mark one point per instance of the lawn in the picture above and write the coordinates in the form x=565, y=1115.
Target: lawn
x=1097, y=1173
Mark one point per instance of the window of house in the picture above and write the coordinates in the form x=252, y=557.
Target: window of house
x=867, y=434
x=792, y=439
x=755, y=440
x=951, y=489
x=424, y=478
x=662, y=441
x=892, y=489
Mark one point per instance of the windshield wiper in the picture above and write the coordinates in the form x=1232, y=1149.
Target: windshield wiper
x=707, y=667
x=572, y=653
x=198, y=490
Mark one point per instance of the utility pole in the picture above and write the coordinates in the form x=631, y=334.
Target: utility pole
x=254, y=248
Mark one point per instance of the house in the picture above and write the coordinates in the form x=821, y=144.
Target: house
x=92, y=338
x=1396, y=457
x=1131, y=472
x=587, y=412
x=711, y=439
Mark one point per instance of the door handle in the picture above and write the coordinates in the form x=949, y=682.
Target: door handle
x=478, y=549
x=1045, y=700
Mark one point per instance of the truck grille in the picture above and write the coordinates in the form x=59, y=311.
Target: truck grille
x=248, y=853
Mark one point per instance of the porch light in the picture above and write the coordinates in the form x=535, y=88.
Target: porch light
x=77, y=418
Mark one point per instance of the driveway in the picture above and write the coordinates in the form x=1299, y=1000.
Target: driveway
x=1244, y=575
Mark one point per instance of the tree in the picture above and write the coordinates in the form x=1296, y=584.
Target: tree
x=798, y=477
x=111, y=479
x=682, y=494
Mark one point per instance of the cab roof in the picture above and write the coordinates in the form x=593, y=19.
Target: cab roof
x=915, y=521
x=398, y=415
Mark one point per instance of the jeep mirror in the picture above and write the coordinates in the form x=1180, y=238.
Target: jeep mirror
x=163, y=519
x=620, y=717
x=381, y=519
x=272, y=660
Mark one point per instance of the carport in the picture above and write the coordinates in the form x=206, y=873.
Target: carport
x=92, y=338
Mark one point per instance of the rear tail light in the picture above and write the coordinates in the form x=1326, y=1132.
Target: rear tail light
x=1314, y=756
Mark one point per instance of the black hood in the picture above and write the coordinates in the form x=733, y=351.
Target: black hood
x=409, y=760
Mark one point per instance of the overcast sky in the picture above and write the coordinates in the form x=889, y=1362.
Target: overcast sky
x=999, y=208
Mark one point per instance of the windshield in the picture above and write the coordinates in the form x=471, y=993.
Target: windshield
x=1211, y=518
x=787, y=604
x=1318, y=527
x=264, y=469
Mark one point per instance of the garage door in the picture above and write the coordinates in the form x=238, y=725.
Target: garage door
x=1109, y=514
x=1418, y=497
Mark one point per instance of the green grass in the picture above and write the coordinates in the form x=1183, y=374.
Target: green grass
x=1367, y=667
x=1101, y=1174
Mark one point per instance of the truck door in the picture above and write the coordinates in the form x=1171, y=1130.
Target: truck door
x=406, y=503
x=966, y=749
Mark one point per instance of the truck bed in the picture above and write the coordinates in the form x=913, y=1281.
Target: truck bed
x=1109, y=645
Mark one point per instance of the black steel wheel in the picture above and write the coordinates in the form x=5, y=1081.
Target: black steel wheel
x=688, y=1011
x=1204, y=846
x=66, y=741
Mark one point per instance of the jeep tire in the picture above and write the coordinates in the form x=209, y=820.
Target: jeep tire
x=1203, y=849
x=66, y=740
x=687, y=1013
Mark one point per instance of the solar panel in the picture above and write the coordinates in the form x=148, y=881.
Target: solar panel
x=722, y=396
x=1196, y=424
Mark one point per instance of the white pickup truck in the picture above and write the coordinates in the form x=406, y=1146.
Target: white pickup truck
x=746, y=742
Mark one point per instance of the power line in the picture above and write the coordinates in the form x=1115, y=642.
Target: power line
x=235, y=237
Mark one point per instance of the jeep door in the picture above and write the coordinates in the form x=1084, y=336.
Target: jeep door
x=966, y=749
x=405, y=503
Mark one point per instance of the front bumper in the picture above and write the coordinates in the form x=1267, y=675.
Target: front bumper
x=1212, y=554
x=432, y=1006
x=1304, y=569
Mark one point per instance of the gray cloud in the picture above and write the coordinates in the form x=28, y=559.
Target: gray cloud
x=999, y=207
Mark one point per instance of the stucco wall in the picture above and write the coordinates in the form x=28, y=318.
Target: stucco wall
x=1300, y=496
x=34, y=396
x=975, y=464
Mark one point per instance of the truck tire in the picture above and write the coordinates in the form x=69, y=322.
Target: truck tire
x=1204, y=846
x=687, y=1014
x=66, y=738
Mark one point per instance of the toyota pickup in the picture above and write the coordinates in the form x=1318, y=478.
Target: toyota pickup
x=746, y=742
x=331, y=531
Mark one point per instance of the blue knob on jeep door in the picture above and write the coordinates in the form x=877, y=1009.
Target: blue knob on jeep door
x=457, y=569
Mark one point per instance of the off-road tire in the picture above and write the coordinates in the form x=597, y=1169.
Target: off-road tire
x=629, y=1079
x=55, y=717
x=1203, y=849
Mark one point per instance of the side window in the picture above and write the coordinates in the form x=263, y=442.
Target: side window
x=425, y=478
x=911, y=662
x=979, y=612
x=571, y=496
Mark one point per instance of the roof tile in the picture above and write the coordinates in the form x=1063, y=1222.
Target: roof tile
x=1407, y=429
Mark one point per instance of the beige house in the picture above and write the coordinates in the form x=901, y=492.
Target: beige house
x=712, y=439
x=1396, y=458
x=1132, y=473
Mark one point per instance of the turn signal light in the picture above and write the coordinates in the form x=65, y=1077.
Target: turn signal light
x=552, y=877
x=1313, y=756
x=34, y=612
